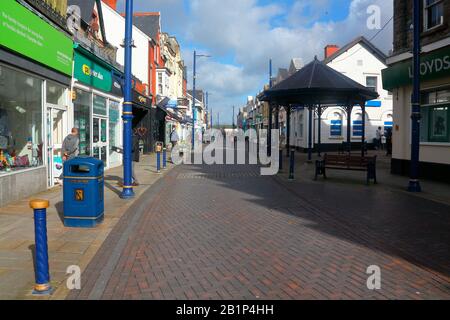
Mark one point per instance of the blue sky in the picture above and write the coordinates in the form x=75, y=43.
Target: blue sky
x=242, y=35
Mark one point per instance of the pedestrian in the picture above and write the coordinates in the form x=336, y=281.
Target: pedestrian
x=379, y=136
x=135, y=156
x=174, y=137
x=70, y=148
x=388, y=141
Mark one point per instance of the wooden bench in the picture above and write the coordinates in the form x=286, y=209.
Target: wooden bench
x=347, y=162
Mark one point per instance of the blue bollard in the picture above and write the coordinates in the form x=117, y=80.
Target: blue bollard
x=158, y=162
x=291, y=165
x=42, y=274
x=164, y=158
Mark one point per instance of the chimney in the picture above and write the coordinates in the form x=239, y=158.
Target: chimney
x=111, y=3
x=330, y=50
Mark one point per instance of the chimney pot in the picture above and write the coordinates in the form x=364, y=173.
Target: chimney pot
x=330, y=50
x=111, y=3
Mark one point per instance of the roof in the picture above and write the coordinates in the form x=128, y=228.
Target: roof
x=362, y=41
x=317, y=83
x=198, y=94
x=148, y=22
x=296, y=64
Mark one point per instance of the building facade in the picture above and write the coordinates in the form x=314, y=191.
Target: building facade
x=435, y=88
x=361, y=61
x=35, y=76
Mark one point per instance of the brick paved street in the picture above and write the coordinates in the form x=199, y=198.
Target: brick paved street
x=224, y=232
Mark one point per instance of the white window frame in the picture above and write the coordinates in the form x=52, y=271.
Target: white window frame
x=425, y=15
x=376, y=85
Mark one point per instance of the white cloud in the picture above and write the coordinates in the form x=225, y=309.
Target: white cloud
x=246, y=31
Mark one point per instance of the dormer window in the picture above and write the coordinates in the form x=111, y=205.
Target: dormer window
x=434, y=13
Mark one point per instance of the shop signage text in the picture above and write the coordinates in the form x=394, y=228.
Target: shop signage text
x=433, y=66
x=24, y=32
x=91, y=73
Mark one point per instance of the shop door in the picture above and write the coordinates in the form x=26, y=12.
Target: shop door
x=100, y=139
x=56, y=127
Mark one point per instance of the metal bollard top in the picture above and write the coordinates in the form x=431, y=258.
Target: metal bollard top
x=39, y=204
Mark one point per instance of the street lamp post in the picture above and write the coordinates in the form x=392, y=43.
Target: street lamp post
x=194, y=108
x=414, y=184
x=127, y=115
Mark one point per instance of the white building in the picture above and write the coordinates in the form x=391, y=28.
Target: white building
x=361, y=61
x=114, y=29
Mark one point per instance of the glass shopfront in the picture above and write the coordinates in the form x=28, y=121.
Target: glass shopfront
x=56, y=120
x=435, y=112
x=97, y=117
x=82, y=117
x=21, y=132
x=115, y=143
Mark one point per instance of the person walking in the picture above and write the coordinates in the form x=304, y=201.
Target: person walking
x=135, y=156
x=69, y=149
x=389, y=142
x=174, y=137
x=379, y=136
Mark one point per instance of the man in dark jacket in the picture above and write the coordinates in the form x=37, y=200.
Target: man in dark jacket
x=135, y=155
x=70, y=146
x=69, y=149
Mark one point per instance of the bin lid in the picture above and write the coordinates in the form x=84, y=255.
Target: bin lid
x=83, y=167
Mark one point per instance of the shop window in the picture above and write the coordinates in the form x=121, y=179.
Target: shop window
x=21, y=137
x=114, y=132
x=82, y=116
x=434, y=13
x=55, y=94
x=435, y=114
x=336, y=125
x=99, y=105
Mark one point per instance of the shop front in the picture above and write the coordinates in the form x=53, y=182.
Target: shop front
x=35, y=76
x=435, y=114
x=142, y=119
x=97, y=99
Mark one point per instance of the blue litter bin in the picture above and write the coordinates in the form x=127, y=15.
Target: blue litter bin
x=83, y=193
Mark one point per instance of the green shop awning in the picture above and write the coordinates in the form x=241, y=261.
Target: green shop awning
x=94, y=72
x=434, y=65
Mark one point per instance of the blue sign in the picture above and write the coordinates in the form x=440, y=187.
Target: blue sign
x=373, y=103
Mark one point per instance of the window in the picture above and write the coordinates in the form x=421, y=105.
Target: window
x=434, y=13
x=336, y=125
x=99, y=105
x=21, y=137
x=372, y=83
x=357, y=128
x=435, y=114
x=82, y=116
x=160, y=83
x=388, y=122
x=55, y=94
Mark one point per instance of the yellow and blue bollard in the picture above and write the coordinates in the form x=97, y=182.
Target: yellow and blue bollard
x=164, y=158
x=291, y=165
x=158, y=149
x=42, y=273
